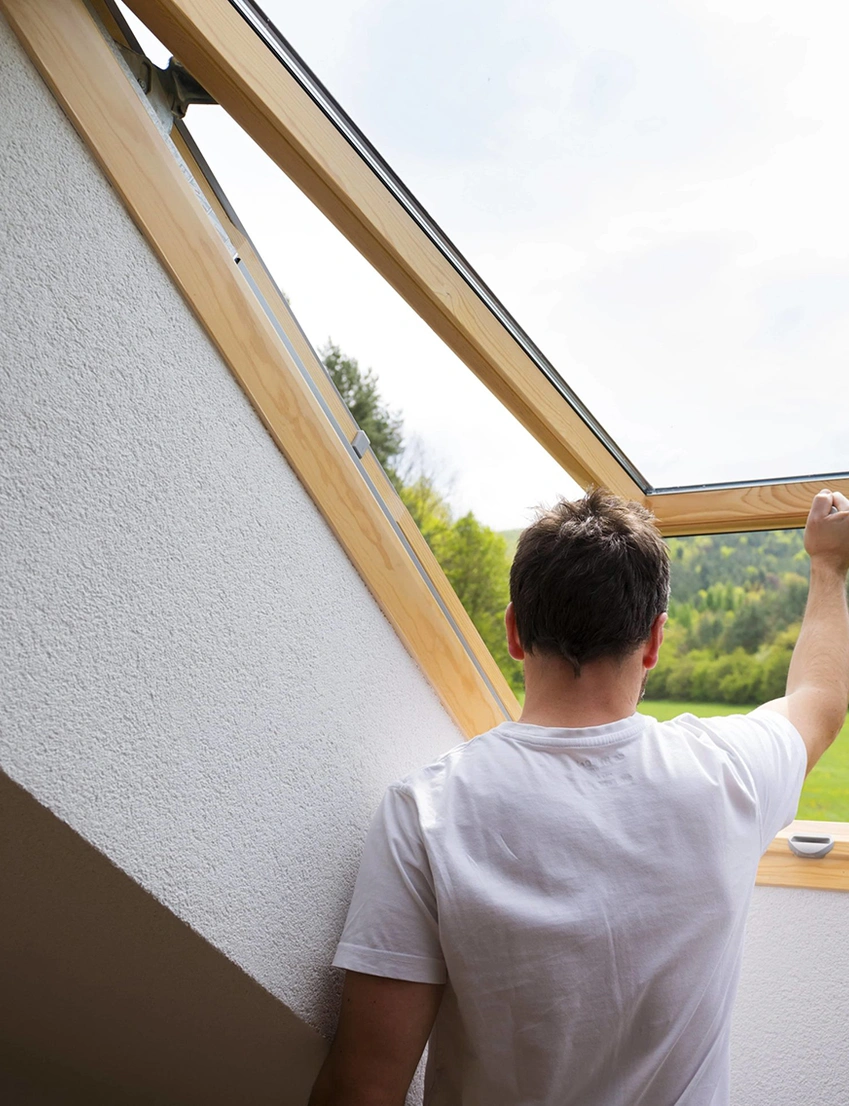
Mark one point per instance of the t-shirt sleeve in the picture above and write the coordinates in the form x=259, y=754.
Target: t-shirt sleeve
x=774, y=753
x=392, y=927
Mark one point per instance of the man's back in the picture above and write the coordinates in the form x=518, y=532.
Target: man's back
x=586, y=891
x=565, y=907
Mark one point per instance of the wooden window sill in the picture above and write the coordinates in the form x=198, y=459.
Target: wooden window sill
x=781, y=868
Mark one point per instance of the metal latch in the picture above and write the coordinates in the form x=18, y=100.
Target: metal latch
x=810, y=847
x=172, y=91
x=360, y=444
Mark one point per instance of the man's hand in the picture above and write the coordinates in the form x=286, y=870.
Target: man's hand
x=827, y=531
x=818, y=680
x=383, y=1027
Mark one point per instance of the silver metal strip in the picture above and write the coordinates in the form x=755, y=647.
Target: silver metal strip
x=818, y=477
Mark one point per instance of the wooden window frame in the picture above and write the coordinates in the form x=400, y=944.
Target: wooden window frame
x=109, y=112
x=78, y=64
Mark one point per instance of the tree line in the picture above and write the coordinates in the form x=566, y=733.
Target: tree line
x=734, y=615
x=737, y=599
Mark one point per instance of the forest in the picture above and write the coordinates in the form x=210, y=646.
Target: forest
x=734, y=614
x=737, y=599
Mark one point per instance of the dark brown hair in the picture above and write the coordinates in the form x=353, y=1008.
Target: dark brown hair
x=589, y=579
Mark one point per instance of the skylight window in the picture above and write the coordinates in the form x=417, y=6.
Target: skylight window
x=582, y=382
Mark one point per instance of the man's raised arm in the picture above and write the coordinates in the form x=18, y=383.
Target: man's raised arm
x=818, y=680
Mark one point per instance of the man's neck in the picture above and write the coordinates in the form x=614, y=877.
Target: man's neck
x=604, y=692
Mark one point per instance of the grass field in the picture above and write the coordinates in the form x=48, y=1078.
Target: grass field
x=825, y=795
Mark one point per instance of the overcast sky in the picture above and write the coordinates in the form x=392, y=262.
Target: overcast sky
x=656, y=191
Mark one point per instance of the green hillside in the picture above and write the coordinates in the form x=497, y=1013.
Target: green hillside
x=734, y=614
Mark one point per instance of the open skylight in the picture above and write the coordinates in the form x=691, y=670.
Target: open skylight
x=655, y=199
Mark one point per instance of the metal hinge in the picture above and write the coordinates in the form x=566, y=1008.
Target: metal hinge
x=171, y=91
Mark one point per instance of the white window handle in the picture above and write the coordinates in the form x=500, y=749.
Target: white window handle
x=811, y=847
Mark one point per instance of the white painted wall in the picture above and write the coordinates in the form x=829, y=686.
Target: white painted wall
x=192, y=674
x=789, y=1036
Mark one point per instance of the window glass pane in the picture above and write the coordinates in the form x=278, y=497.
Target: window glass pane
x=737, y=602
x=476, y=448
x=655, y=191
x=491, y=463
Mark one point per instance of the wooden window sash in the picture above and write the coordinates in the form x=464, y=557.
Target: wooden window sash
x=236, y=67
x=778, y=506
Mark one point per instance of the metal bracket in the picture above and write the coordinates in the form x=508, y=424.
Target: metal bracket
x=171, y=91
x=360, y=443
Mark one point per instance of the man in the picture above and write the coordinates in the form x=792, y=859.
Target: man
x=563, y=899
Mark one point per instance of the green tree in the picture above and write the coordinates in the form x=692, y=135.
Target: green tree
x=792, y=597
x=474, y=559
x=742, y=683
x=359, y=390
x=429, y=509
x=472, y=556
x=476, y=562
x=775, y=662
x=750, y=627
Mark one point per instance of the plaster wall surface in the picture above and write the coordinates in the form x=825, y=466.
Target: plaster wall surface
x=192, y=674
x=789, y=1029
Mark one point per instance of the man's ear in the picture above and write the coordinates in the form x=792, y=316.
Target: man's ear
x=514, y=646
x=655, y=641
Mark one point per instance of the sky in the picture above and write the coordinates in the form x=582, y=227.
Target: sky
x=656, y=191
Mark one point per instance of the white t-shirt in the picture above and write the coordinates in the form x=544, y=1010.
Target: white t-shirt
x=584, y=893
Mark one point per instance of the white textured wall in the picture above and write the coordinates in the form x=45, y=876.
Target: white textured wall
x=789, y=1038
x=192, y=674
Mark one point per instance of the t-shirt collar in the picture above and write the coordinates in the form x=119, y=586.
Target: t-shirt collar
x=607, y=734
